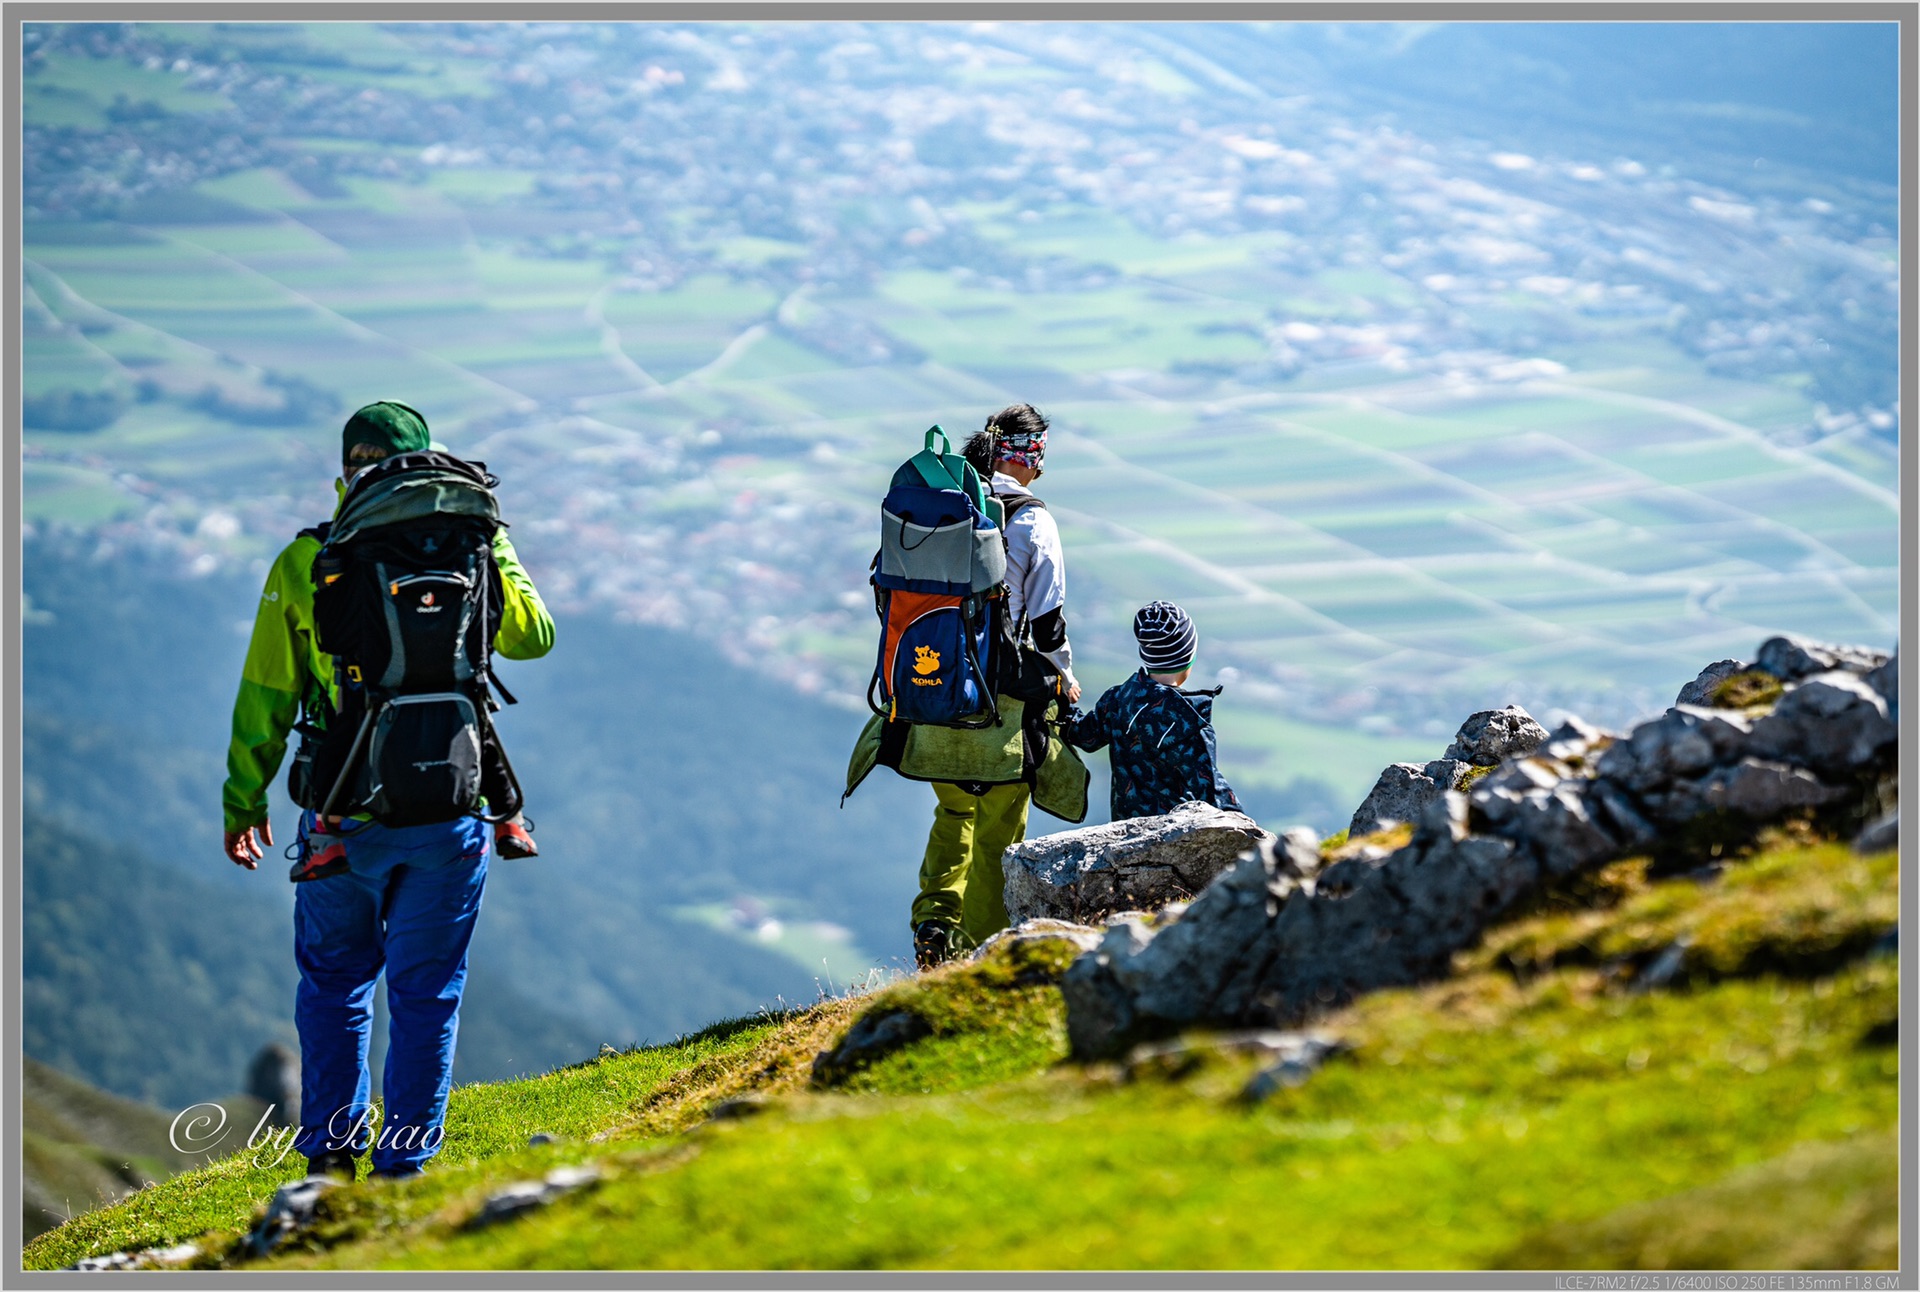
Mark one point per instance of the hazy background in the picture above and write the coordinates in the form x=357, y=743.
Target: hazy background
x=1432, y=367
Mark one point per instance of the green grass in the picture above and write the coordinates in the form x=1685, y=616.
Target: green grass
x=1529, y=1111
x=485, y=1121
x=1843, y=1198
x=82, y=1147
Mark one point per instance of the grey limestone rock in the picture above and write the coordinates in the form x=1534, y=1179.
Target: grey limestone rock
x=1494, y=735
x=292, y=1209
x=1297, y=1056
x=1301, y=849
x=1257, y=949
x=1083, y=936
x=1886, y=680
x=1762, y=790
x=1137, y=864
x=1832, y=722
x=1623, y=818
x=1792, y=658
x=1700, y=690
x=739, y=1109
x=1169, y=1056
x=1684, y=741
x=1560, y=829
x=873, y=1036
x=1288, y=1058
x=1403, y=791
x=1276, y=940
x=1110, y=988
x=144, y=1259
x=1576, y=742
x=1880, y=834
x=1664, y=967
x=526, y=1195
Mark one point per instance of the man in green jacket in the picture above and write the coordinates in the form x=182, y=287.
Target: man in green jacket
x=408, y=897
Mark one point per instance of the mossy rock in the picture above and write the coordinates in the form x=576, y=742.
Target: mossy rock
x=1753, y=689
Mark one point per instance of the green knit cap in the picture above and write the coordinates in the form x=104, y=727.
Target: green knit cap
x=391, y=425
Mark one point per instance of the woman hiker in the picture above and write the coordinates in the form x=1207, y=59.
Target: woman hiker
x=961, y=901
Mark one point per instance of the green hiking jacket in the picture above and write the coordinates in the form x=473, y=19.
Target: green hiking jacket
x=285, y=663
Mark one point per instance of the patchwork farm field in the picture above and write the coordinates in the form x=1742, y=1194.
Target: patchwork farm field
x=1475, y=531
x=1378, y=533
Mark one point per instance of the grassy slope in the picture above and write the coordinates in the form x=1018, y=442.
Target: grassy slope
x=1531, y=1110
x=82, y=1147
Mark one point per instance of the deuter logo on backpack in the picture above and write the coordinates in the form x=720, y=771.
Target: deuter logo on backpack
x=407, y=600
x=939, y=588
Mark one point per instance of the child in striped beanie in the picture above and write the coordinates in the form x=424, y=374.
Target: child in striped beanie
x=1159, y=738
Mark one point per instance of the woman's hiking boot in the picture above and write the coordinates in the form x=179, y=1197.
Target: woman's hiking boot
x=514, y=838
x=933, y=943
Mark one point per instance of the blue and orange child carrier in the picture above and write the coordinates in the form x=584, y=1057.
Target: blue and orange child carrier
x=939, y=584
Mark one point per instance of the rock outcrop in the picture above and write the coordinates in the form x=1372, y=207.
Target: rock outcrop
x=294, y=1208
x=1271, y=944
x=274, y=1079
x=1493, y=735
x=1792, y=658
x=872, y=1038
x=1702, y=688
x=1141, y=863
x=1404, y=790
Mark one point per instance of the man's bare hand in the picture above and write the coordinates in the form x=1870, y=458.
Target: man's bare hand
x=247, y=847
x=1073, y=694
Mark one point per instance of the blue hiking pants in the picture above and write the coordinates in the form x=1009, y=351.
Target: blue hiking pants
x=408, y=907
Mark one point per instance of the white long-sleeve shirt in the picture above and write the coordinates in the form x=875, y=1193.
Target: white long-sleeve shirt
x=1036, y=568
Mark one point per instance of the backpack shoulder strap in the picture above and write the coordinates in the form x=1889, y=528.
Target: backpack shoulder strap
x=318, y=533
x=1015, y=503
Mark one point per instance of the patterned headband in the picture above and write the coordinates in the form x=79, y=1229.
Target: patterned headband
x=1022, y=448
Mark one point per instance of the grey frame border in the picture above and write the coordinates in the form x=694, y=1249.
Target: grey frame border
x=1906, y=14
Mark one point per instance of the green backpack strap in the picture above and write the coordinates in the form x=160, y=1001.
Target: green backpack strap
x=942, y=468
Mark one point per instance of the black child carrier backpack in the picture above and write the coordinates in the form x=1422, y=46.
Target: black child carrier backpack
x=407, y=600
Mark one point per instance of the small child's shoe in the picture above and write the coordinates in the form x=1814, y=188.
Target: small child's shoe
x=514, y=839
x=316, y=856
x=933, y=944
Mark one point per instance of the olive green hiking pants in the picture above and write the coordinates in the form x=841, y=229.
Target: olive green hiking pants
x=960, y=878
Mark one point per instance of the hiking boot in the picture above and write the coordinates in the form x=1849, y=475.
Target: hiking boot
x=316, y=856
x=514, y=838
x=336, y=1162
x=932, y=943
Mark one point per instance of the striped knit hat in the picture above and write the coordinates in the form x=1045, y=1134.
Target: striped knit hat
x=1168, y=640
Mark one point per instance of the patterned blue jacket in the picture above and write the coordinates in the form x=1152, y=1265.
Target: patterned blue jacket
x=1163, y=752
